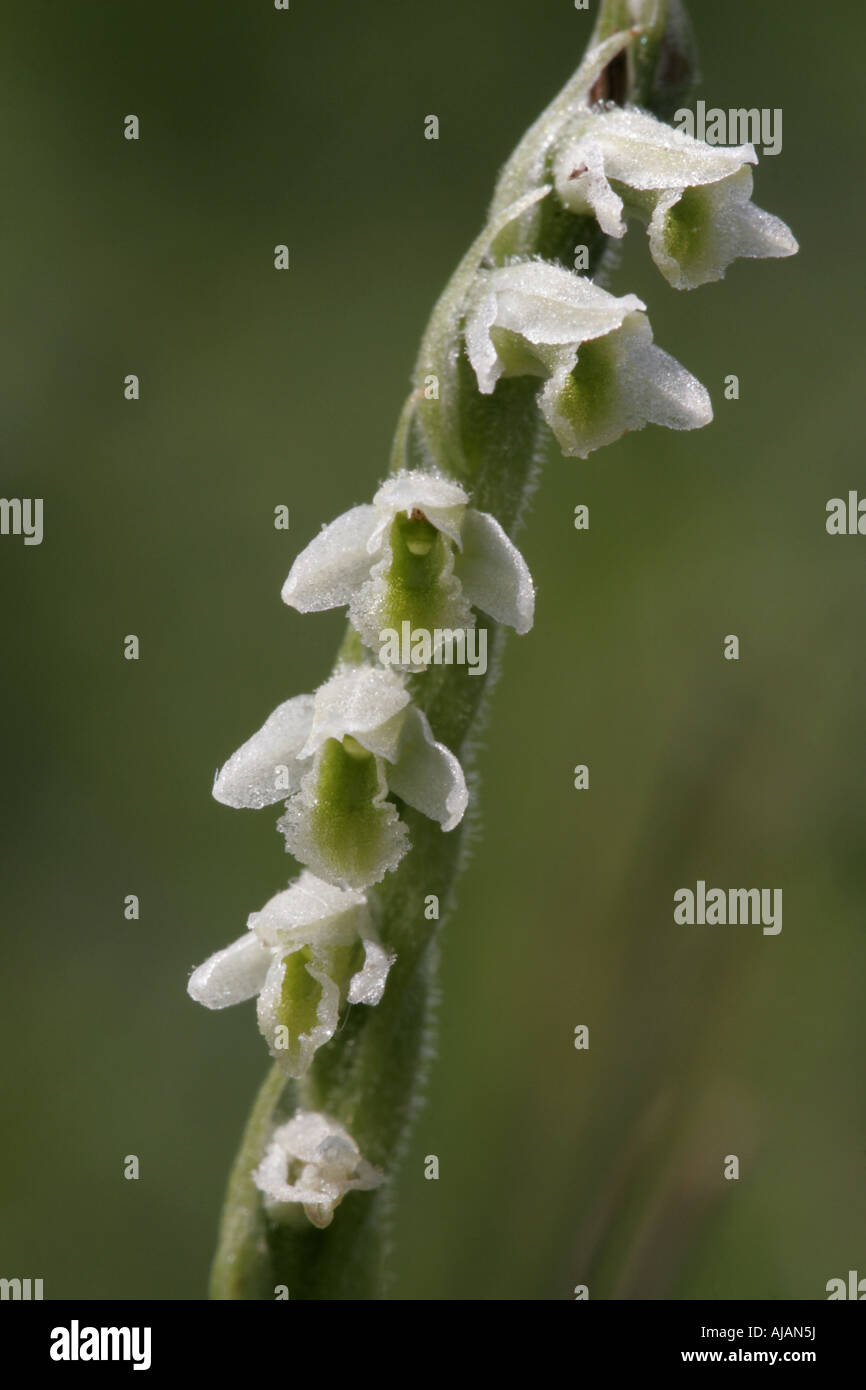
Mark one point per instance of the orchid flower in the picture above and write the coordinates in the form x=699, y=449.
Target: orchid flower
x=418, y=553
x=603, y=373
x=695, y=197
x=334, y=757
x=310, y=950
x=315, y=1161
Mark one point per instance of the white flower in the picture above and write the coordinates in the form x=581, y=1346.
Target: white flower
x=604, y=375
x=695, y=197
x=336, y=755
x=315, y=1161
x=420, y=554
x=310, y=950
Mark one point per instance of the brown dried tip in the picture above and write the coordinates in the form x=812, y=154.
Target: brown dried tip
x=612, y=82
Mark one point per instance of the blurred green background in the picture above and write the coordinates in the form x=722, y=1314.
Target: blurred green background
x=558, y=1167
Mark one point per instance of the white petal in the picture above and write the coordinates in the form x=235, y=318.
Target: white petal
x=231, y=975
x=362, y=701
x=644, y=153
x=329, y=570
x=302, y=1137
x=546, y=306
x=296, y=1061
x=264, y=769
x=665, y=392
x=368, y=985
x=440, y=499
x=583, y=186
x=760, y=234
x=480, y=349
x=494, y=574
x=550, y=305
x=427, y=775
x=305, y=906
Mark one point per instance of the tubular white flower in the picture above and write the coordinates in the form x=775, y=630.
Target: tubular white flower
x=310, y=950
x=313, y=1160
x=338, y=753
x=604, y=375
x=696, y=197
x=420, y=554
